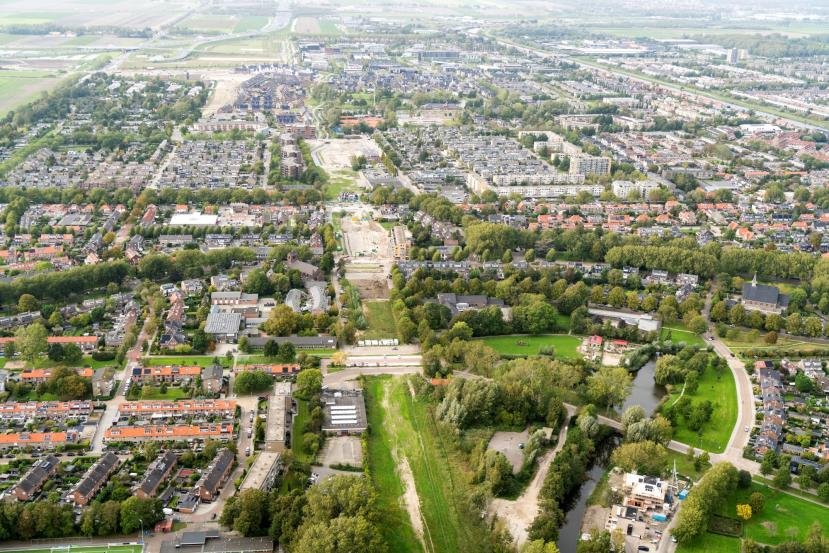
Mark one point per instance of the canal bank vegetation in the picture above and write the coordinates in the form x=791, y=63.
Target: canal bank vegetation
x=566, y=474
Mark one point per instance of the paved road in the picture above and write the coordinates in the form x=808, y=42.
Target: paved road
x=337, y=379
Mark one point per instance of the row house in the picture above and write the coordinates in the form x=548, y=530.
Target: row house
x=158, y=471
x=39, y=376
x=36, y=477
x=162, y=409
x=773, y=408
x=223, y=431
x=46, y=440
x=45, y=409
x=94, y=479
x=216, y=474
x=284, y=369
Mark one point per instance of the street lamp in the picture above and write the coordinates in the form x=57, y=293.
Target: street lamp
x=141, y=521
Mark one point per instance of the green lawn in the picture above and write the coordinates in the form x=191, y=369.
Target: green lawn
x=711, y=543
x=678, y=333
x=524, y=344
x=380, y=320
x=743, y=340
x=785, y=517
x=722, y=392
x=200, y=360
x=441, y=478
x=684, y=466
x=250, y=23
x=153, y=392
x=339, y=182
x=301, y=421
x=396, y=524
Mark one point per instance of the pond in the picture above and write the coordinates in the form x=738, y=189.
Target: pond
x=644, y=391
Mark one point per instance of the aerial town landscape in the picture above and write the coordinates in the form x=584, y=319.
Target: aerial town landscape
x=505, y=276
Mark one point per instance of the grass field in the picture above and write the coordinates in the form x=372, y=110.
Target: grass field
x=200, y=360
x=380, y=320
x=440, y=476
x=684, y=466
x=339, y=182
x=396, y=524
x=523, y=344
x=83, y=549
x=784, y=518
x=715, y=433
x=18, y=87
x=301, y=421
x=153, y=392
x=743, y=341
x=711, y=543
x=680, y=334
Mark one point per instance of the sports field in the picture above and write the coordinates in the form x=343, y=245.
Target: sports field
x=82, y=549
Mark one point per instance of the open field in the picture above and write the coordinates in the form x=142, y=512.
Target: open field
x=677, y=333
x=396, y=523
x=744, y=341
x=19, y=87
x=153, y=392
x=722, y=392
x=526, y=345
x=380, y=320
x=339, y=182
x=224, y=23
x=440, y=478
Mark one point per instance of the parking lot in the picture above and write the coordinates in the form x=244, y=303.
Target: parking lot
x=342, y=450
x=509, y=444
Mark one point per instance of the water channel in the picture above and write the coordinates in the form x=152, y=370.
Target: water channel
x=643, y=392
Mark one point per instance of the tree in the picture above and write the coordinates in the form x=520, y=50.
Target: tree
x=308, y=384
x=27, y=302
x=72, y=354
x=137, y=512
x=823, y=492
x=744, y=480
x=539, y=546
x=757, y=501
x=339, y=358
x=55, y=352
x=251, y=510
x=782, y=478
x=251, y=382
x=271, y=348
x=287, y=353
x=608, y=386
x=343, y=533
x=744, y=511
x=282, y=321
x=697, y=324
x=31, y=341
x=645, y=457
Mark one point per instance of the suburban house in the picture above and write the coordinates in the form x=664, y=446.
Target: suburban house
x=157, y=472
x=37, y=439
x=276, y=369
x=94, y=479
x=33, y=480
x=458, y=303
x=212, y=379
x=211, y=481
x=234, y=298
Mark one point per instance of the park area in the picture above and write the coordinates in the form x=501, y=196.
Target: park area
x=722, y=392
x=678, y=334
x=524, y=345
x=784, y=517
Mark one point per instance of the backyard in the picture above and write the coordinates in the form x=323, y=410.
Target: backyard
x=186, y=360
x=715, y=433
x=566, y=346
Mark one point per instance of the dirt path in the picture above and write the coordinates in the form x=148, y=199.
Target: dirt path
x=519, y=514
